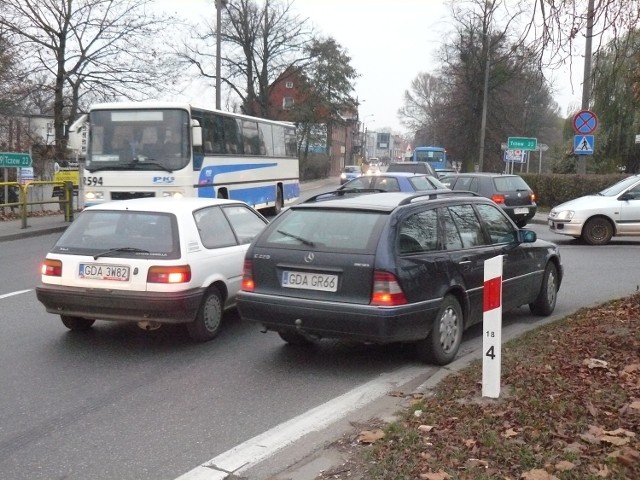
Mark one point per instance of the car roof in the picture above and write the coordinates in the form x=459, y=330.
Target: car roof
x=483, y=174
x=162, y=204
x=380, y=201
x=405, y=174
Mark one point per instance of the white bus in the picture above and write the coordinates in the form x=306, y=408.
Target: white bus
x=147, y=149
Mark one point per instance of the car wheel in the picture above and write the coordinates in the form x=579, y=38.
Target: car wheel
x=76, y=324
x=442, y=344
x=597, y=231
x=209, y=317
x=521, y=223
x=294, y=338
x=545, y=302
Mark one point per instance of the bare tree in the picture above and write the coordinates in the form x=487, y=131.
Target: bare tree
x=98, y=49
x=260, y=42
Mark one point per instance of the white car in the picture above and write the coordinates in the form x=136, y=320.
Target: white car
x=150, y=261
x=615, y=211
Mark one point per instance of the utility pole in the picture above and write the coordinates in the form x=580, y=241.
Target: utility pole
x=586, y=79
x=219, y=5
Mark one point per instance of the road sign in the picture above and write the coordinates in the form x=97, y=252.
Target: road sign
x=515, y=156
x=542, y=147
x=583, y=144
x=12, y=159
x=518, y=143
x=585, y=122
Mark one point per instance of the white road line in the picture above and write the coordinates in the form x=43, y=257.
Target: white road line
x=261, y=447
x=6, y=295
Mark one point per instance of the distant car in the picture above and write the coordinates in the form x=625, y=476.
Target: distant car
x=412, y=167
x=443, y=172
x=395, y=182
x=510, y=192
x=373, y=169
x=151, y=261
x=615, y=211
x=349, y=172
x=392, y=267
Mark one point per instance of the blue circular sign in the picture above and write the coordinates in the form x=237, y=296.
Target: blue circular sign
x=585, y=122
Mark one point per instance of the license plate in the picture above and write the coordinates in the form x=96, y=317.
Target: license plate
x=104, y=272
x=310, y=281
x=520, y=211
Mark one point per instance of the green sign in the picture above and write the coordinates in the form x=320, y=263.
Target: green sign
x=11, y=159
x=517, y=143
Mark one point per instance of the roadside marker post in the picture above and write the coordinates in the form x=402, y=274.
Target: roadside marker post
x=492, y=327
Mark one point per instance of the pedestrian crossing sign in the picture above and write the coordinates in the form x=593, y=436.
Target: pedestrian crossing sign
x=583, y=144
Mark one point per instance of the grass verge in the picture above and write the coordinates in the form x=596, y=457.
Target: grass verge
x=569, y=409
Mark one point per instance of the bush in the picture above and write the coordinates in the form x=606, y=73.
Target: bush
x=554, y=189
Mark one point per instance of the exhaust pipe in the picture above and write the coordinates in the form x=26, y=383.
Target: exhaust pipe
x=149, y=325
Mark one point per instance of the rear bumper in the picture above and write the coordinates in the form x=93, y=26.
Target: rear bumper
x=119, y=305
x=363, y=323
x=516, y=217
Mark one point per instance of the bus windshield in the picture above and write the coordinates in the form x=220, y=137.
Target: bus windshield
x=156, y=139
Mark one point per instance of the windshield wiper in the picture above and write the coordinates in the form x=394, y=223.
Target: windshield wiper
x=119, y=249
x=150, y=162
x=300, y=239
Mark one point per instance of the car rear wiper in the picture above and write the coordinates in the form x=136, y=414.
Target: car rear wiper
x=300, y=239
x=119, y=249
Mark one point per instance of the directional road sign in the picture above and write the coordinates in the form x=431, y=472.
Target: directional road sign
x=518, y=143
x=585, y=122
x=583, y=144
x=11, y=159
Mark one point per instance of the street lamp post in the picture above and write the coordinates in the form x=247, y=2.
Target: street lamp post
x=219, y=5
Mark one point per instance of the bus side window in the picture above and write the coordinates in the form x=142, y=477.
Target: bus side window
x=251, y=138
x=232, y=136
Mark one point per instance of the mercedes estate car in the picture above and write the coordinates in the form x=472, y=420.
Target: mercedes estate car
x=391, y=267
x=151, y=261
x=615, y=211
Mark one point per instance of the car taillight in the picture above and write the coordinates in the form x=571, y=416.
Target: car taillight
x=533, y=197
x=386, y=290
x=175, y=274
x=496, y=197
x=51, y=268
x=248, y=284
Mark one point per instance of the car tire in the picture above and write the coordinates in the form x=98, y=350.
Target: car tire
x=597, y=231
x=443, y=342
x=545, y=302
x=294, y=338
x=521, y=223
x=76, y=324
x=209, y=318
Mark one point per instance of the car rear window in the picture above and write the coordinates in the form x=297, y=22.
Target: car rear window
x=130, y=234
x=327, y=230
x=510, y=184
x=425, y=183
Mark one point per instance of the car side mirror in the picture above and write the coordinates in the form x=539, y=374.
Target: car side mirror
x=527, y=236
x=627, y=196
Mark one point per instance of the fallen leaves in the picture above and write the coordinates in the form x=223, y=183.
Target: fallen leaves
x=370, y=436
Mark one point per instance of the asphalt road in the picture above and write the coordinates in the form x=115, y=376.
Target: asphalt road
x=118, y=402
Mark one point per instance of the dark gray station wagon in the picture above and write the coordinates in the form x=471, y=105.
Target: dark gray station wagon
x=392, y=267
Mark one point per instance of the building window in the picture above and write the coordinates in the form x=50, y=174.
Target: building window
x=289, y=84
x=287, y=102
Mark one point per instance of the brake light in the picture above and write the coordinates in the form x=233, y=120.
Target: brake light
x=174, y=274
x=248, y=284
x=496, y=197
x=533, y=197
x=386, y=290
x=51, y=268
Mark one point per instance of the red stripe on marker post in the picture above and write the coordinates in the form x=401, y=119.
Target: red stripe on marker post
x=492, y=327
x=492, y=294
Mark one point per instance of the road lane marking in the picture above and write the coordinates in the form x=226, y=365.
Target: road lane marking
x=259, y=448
x=7, y=295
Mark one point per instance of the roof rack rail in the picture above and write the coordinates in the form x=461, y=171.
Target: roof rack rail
x=432, y=195
x=342, y=193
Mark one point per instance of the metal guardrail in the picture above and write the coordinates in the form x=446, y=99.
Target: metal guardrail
x=23, y=198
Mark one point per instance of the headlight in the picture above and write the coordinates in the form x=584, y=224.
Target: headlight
x=93, y=195
x=343, y=176
x=565, y=215
x=172, y=194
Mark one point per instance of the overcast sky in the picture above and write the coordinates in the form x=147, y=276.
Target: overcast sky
x=390, y=42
